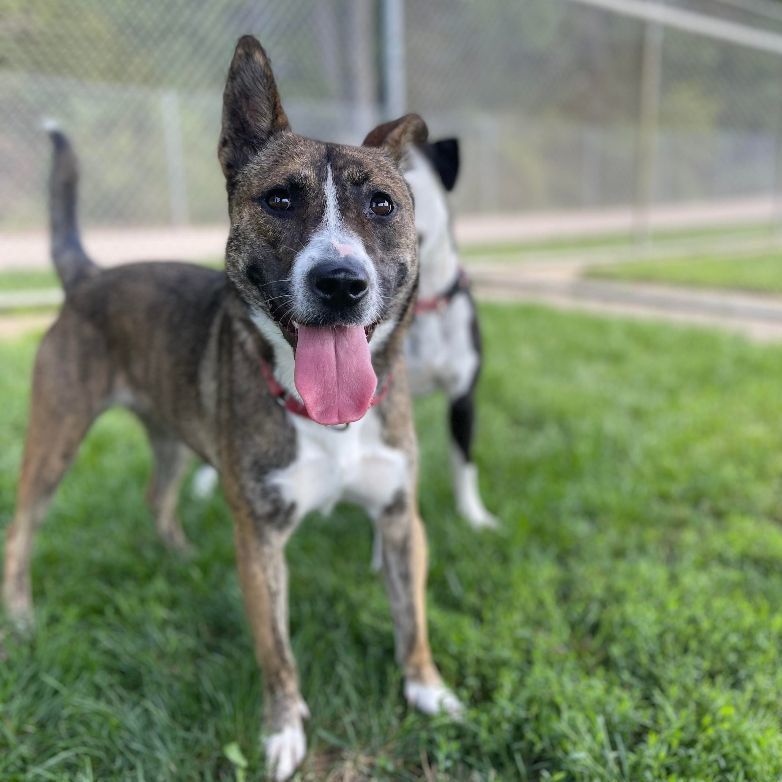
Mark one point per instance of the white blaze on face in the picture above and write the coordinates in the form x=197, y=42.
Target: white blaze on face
x=331, y=217
x=332, y=235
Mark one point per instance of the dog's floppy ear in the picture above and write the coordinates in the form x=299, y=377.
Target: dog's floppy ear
x=252, y=110
x=444, y=156
x=398, y=135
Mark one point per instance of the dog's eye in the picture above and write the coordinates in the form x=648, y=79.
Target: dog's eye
x=381, y=204
x=279, y=200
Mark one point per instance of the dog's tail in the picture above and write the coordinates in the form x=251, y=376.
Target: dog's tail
x=71, y=261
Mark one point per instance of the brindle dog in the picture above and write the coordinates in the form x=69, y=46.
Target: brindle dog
x=258, y=370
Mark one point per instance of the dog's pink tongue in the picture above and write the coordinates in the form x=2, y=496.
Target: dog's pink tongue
x=334, y=373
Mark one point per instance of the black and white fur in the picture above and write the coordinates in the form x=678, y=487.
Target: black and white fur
x=444, y=344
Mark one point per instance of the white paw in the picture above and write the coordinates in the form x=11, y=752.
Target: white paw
x=468, y=496
x=433, y=699
x=205, y=481
x=478, y=517
x=19, y=608
x=285, y=750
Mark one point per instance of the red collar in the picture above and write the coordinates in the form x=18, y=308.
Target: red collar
x=285, y=399
x=441, y=301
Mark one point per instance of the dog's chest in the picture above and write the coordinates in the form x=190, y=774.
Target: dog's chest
x=353, y=464
x=441, y=351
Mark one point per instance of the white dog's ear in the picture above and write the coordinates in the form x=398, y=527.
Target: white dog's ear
x=397, y=136
x=252, y=109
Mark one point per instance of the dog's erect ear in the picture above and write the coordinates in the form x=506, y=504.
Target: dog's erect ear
x=398, y=135
x=444, y=156
x=252, y=110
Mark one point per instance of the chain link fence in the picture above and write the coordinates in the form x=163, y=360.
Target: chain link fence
x=561, y=105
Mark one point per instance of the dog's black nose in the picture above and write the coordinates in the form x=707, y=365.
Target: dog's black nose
x=339, y=284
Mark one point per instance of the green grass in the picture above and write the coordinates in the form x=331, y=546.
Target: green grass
x=43, y=279
x=626, y=624
x=502, y=250
x=24, y=280
x=511, y=251
x=756, y=273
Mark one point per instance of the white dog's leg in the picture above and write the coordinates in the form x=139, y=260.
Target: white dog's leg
x=468, y=498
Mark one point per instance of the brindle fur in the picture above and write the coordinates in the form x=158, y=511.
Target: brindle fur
x=175, y=344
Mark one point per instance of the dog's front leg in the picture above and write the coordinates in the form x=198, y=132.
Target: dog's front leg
x=404, y=563
x=264, y=581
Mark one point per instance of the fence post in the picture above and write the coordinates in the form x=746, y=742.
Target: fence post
x=394, y=60
x=175, y=158
x=648, y=128
x=361, y=65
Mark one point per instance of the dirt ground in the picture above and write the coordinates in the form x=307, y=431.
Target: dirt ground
x=561, y=285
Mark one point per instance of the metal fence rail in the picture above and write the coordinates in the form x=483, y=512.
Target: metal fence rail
x=560, y=104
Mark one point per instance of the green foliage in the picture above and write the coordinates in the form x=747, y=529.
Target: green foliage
x=625, y=624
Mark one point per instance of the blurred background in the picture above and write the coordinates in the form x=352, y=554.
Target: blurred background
x=574, y=116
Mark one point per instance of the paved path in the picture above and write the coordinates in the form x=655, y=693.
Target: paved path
x=561, y=284
x=110, y=246
x=556, y=284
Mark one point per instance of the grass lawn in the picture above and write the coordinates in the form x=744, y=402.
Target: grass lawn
x=626, y=624
x=23, y=280
x=758, y=273
x=12, y=280
x=514, y=251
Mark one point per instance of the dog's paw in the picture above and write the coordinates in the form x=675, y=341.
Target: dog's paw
x=433, y=699
x=478, y=517
x=19, y=612
x=468, y=496
x=205, y=482
x=285, y=750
